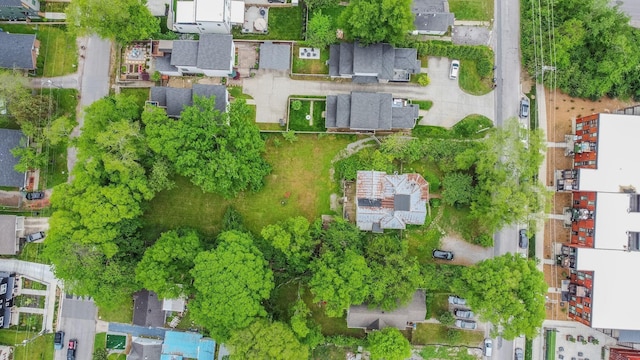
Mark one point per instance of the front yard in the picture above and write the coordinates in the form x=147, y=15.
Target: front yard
x=478, y=10
x=427, y=333
x=41, y=347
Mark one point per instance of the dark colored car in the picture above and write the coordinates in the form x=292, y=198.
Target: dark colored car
x=58, y=340
x=71, y=351
x=523, y=239
x=276, y=1
x=35, y=195
x=442, y=255
x=35, y=236
x=524, y=107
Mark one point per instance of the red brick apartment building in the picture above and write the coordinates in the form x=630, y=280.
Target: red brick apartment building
x=624, y=354
x=603, y=253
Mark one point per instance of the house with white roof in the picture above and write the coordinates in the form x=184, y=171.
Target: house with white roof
x=207, y=16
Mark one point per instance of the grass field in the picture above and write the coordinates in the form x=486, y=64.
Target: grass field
x=58, y=51
x=423, y=104
x=479, y=10
x=427, y=333
x=236, y=92
x=298, y=120
x=285, y=23
x=471, y=82
x=437, y=304
x=123, y=313
x=300, y=170
x=100, y=341
x=33, y=252
x=446, y=353
x=140, y=94
x=310, y=66
x=331, y=352
x=117, y=357
x=38, y=348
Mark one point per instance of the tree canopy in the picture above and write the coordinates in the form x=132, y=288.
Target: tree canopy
x=264, y=340
x=120, y=20
x=509, y=291
x=320, y=32
x=293, y=238
x=220, y=152
x=165, y=266
x=375, y=21
x=388, y=344
x=231, y=282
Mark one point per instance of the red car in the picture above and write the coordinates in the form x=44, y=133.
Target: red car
x=71, y=351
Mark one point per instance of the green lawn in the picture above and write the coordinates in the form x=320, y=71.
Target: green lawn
x=423, y=104
x=140, y=94
x=123, y=313
x=117, y=357
x=550, y=339
x=446, y=353
x=100, y=341
x=422, y=243
x=427, y=333
x=270, y=126
x=284, y=23
x=332, y=352
x=470, y=82
x=58, y=51
x=473, y=126
x=479, y=10
x=437, y=303
x=310, y=66
x=298, y=120
x=33, y=252
x=300, y=170
x=40, y=348
x=236, y=93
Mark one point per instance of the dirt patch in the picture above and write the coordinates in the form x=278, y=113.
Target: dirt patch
x=465, y=253
x=560, y=200
x=554, y=232
x=556, y=160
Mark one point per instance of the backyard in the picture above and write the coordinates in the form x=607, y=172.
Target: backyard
x=310, y=66
x=122, y=313
x=427, y=333
x=285, y=23
x=306, y=114
x=140, y=94
x=58, y=51
x=299, y=184
x=479, y=10
x=37, y=347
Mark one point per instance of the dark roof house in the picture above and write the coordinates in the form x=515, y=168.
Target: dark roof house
x=10, y=226
x=369, y=111
x=7, y=283
x=10, y=139
x=19, y=9
x=432, y=17
x=361, y=317
x=390, y=201
x=212, y=55
x=18, y=51
x=175, y=99
x=373, y=63
x=147, y=309
x=145, y=349
x=274, y=56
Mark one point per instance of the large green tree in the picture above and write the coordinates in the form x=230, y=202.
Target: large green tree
x=264, y=340
x=374, y=21
x=220, y=152
x=458, y=188
x=340, y=280
x=320, y=32
x=388, y=344
x=120, y=20
x=165, y=266
x=231, y=282
x=509, y=291
x=293, y=238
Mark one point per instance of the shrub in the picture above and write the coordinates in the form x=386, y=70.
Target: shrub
x=296, y=105
x=423, y=79
x=453, y=336
x=290, y=136
x=446, y=318
x=484, y=240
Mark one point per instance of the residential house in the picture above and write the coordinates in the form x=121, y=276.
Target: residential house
x=11, y=227
x=274, y=56
x=145, y=349
x=174, y=305
x=390, y=201
x=603, y=251
x=432, y=17
x=178, y=345
x=366, y=111
x=207, y=16
x=18, y=51
x=7, y=285
x=10, y=139
x=19, y=10
x=147, y=309
x=211, y=55
x=173, y=100
x=373, y=63
x=362, y=317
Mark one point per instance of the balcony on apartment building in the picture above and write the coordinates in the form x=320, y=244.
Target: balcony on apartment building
x=566, y=180
x=581, y=214
x=567, y=257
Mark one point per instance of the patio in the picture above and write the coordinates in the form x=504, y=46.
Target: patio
x=579, y=342
x=255, y=20
x=135, y=62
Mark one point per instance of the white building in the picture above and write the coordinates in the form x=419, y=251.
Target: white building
x=207, y=16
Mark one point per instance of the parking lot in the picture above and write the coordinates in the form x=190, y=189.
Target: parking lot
x=78, y=321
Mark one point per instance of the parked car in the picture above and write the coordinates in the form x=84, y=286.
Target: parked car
x=71, y=351
x=465, y=314
x=35, y=195
x=524, y=107
x=457, y=300
x=442, y=255
x=455, y=68
x=488, y=347
x=58, y=340
x=523, y=239
x=277, y=1
x=466, y=324
x=35, y=236
x=519, y=354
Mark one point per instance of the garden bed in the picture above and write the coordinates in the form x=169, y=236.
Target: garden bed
x=307, y=115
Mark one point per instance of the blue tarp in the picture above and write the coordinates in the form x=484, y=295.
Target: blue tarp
x=178, y=345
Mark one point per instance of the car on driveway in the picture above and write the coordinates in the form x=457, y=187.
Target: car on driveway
x=465, y=314
x=35, y=195
x=442, y=255
x=455, y=300
x=524, y=107
x=71, y=351
x=466, y=324
x=488, y=347
x=58, y=340
x=523, y=239
x=455, y=68
x=519, y=354
x=35, y=236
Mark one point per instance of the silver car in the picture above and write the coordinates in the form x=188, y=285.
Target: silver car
x=457, y=300
x=519, y=354
x=466, y=324
x=465, y=314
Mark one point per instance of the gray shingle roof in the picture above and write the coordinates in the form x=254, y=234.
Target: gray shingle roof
x=147, y=309
x=9, y=139
x=368, y=111
x=218, y=91
x=404, y=117
x=429, y=6
x=159, y=94
x=367, y=60
x=371, y=63
x=7, y=3
x=184, y=53
x=145, y=349
x=163, y=63
x=407, y=58
x=437, y=22
x=214, y=51
x=346, y=59
x=360, y=316
x=275, y=57
x=8, y=243
x=330, y=116
x=334, y=60
x=343, y=111
x=177, y=99
x=16, y=51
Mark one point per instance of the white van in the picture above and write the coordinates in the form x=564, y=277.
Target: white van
x=455, y=67
x=488, y=347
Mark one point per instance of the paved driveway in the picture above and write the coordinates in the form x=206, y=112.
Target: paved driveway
x=270, y=90
x=465, y=253
x=78, y=321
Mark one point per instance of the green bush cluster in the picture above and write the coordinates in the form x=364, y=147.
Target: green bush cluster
x=482, y=55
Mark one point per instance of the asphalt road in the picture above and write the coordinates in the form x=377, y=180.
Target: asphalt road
x=78, y=321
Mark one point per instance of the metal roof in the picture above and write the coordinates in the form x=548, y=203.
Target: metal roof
x=188, y=345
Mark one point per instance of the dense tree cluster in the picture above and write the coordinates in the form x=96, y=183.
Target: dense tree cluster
x=376, y=21
x=591, y=44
